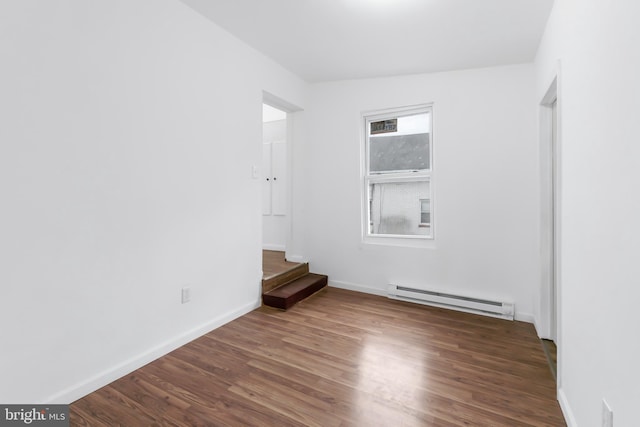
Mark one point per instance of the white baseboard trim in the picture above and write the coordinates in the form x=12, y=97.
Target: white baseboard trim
x=566, y=409
x=296, y=258
x=536, y=325
x=273, y=247
x=525, y=317
x=101, y=379
x=358, y=288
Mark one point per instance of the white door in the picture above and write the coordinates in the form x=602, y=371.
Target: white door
x=266, y=179
x=275, y=189
x=278, y=178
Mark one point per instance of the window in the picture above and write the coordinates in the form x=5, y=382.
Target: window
x=425, y=213
x=398, y=173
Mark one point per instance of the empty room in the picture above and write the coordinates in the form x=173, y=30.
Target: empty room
x=319, y=213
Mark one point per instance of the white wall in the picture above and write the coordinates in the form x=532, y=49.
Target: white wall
x=485, y=185
x=128, y=134
x=596, y=44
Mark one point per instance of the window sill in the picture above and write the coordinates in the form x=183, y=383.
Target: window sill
x=421, y=242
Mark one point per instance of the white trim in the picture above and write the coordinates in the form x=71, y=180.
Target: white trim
x=273, y=247
x=399, y=177
x=566, y=409
x=296, y=258
x=525, y=317
x=410, y=109
x=404, y=241
x=547, y=326
x=279, y=103
x=291, y=110
x=550, y=321
x=546, y=192
x=358, y=288
x=536, y=325
x=125, y=367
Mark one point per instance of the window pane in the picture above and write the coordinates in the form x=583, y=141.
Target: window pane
x=396, y=208
x=399, y=153
x=404, y=147
x=425, y=211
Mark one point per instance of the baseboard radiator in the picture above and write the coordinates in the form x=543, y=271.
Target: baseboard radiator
x=503, y=310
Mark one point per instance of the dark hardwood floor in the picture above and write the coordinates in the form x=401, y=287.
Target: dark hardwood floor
x=340, y=358
x=551, y=351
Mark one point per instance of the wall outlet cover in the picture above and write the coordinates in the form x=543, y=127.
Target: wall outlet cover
x=186, y=295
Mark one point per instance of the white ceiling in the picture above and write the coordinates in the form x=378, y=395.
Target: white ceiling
x=324, y=40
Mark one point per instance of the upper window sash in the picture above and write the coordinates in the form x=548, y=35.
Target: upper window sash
x=399, y=141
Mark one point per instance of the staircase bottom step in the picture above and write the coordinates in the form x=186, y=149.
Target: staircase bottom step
x=287, y=295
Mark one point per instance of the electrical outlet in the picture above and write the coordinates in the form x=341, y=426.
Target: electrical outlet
x=186, y=295
x=607, y=414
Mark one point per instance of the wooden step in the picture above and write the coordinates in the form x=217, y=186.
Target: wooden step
x=276, y=280
x=287, y=295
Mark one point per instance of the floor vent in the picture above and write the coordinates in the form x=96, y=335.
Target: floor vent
x=503, y=310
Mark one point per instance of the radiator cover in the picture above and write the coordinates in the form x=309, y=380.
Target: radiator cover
x=500, y=309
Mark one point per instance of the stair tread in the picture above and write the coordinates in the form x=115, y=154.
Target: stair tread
x=295, y=291
x=276, y=280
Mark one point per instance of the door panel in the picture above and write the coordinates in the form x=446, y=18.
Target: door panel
x=266, y=179
x=278, y=178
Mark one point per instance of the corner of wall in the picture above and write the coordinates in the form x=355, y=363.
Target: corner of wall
x=566, y=409
x=536, y=324
x=526, y=317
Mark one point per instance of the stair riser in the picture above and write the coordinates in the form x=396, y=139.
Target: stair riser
x=286, y=277
x=285, y=302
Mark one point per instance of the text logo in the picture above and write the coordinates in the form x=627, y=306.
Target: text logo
x=34, y=415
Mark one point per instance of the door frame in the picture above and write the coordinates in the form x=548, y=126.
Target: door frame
x=550, y=320
x=291, y=110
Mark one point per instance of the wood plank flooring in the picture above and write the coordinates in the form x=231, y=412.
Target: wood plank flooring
x=551, y=351
x=340, y=358
x=273, y=263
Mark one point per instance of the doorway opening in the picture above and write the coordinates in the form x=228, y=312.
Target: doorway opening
x=550, y=225
x=278, y=140
x=274, y=178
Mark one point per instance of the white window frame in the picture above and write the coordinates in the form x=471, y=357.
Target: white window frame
x=394, y=176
